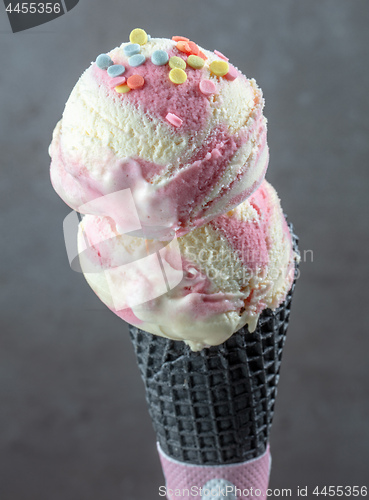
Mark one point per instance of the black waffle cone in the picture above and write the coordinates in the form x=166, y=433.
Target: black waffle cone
x=215, y=406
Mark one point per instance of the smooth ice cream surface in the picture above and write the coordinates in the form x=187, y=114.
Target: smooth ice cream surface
x=188, y=152
x=200, y=287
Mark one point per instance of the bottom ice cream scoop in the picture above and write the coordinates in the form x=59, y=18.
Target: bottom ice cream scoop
x=202, y=287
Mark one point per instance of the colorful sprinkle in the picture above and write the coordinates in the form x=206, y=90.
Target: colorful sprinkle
x=207, y=87
x=174, y=119
x=184, y=47
x=195, y=62
x=177, y=75
x=138, y=36
x=202, y=55
x=222, y=56
x=159, y=57
x=219, y=68
x=122, y=89
x=103, y=61
x=116, y=82
x=194, y=48
x=232, y=74
x=132, y=49
x=136, y=60
x=148, y=37
x=116, y=70
x=135, y=82
x=177, y=62
x=180, y=39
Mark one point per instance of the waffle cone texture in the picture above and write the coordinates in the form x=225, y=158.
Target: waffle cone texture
x=216, y=406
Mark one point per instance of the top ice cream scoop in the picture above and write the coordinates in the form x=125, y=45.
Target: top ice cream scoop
x=176, y=124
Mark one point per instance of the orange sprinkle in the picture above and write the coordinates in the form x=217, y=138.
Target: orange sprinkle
x=184, y=47
x=194, y=48
x=202, y=55
x=180, y=39
x=135, y=81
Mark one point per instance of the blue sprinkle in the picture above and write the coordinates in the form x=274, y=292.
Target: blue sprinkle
x=159, y=57
x=103, y=61
x=136, y=60
x=116, y=70
x=148, y=37
x=131, y=49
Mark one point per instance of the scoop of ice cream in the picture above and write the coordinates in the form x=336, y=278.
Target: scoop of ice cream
x=201, y=287
x=189, y=143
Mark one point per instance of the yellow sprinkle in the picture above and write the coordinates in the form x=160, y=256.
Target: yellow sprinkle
x=177, y=75
x=138, y=36
x=219, y=68
x=177, y=62
x=195, y=62
x=122, y=89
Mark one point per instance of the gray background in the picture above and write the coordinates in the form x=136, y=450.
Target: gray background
x=73, y=418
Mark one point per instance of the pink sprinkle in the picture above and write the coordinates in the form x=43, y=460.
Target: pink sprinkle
x=222, y=56
x=232, y=73
x=118, y=80
x=208, y=87
x=174, y=119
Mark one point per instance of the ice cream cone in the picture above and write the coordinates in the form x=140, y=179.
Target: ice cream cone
x=215, y=407
x=183, y=237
